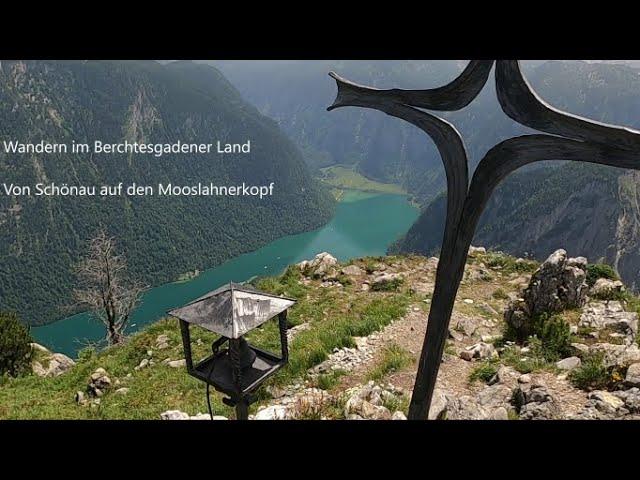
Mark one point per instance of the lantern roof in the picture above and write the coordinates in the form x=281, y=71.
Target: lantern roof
x=232, y=310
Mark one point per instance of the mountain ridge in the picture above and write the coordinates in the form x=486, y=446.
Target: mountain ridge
x=65, y=101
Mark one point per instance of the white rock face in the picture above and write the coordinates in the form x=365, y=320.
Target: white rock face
x=56, y=363
x=180, y=415
x=479, y=350
x=610, y=315
x=475, y=250
x=275, y=412
x=606, y=288
x=174, y=415
x=177, y=363
x=39, y=348
x=569, y=363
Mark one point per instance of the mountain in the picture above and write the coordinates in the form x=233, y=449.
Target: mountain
x=162, y=237
x=582, y=205
x=590, y=209
x=296, y=94
x=382, y=148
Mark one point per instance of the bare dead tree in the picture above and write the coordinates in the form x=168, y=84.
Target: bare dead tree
x=103, y=286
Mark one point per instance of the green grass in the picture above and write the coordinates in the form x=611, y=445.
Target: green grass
x=532, y=361
x=388, y=285
x=335, y=316
x=394, y=358
x=592, y=374
x=395, y=403
x=342, y=177
x=327, y=381
x=499, y=294
x=484, y=372
x=507, y=263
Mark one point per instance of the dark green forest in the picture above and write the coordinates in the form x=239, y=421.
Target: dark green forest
x=41, y=238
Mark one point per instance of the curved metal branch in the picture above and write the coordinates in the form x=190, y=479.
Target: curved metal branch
x=444, y=135
x=521, y=103
x=452, y=96
x=585, y=140
x=499, y=162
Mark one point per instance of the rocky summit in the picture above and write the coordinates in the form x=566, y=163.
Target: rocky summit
x=528, y=341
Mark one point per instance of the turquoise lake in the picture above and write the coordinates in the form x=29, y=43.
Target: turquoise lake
x=364, y=224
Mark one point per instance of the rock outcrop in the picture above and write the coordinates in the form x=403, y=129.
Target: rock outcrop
x=49, y=364
x=558, y=284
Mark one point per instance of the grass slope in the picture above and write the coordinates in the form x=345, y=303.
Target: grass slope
x=335, y=316
x=346, y=178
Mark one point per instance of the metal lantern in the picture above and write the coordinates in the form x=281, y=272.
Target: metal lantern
x=238, y=370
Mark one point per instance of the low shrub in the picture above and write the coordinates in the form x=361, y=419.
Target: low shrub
x=592, y=374
x=600, y=270
x=499, y=294
x=484, y=372
x=509, y=264
x=392, y=285
x=15, y=348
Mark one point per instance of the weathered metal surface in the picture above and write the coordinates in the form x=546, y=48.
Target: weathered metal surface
x=570, y=138
x=232, y=310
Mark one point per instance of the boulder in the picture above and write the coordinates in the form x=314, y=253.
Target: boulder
x=352, y=270
x=80, y=398
x=633, y=375
x=568, y=363
x=616, y=355
x=374, y=412
x=59, y=364
x=479, y=350
x=205, y=416
x=99, y=382
x=381, y=280
x=631, y=399
x=177, y=363
x=144, y=363
x=605, y=288
x=398, y=415
x=464, y=324
x=534, y=402
x=162, y=342
x=274, y=412
x=500, y=413
x=322, y=264
x=174, y=415
x=56, y=364
x=476, y=250
x=39, y=348
x=605, y=401
x=38, y=369
x=438, y=408
x=558, y=284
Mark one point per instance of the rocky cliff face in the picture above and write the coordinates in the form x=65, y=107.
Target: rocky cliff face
x=592, y=210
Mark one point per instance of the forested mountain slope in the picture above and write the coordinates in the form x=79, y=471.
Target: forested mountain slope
x=114, y=101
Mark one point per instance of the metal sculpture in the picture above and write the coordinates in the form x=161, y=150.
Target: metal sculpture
x=565, y=137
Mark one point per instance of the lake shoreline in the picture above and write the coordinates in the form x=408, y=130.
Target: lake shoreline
x=363, y=224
